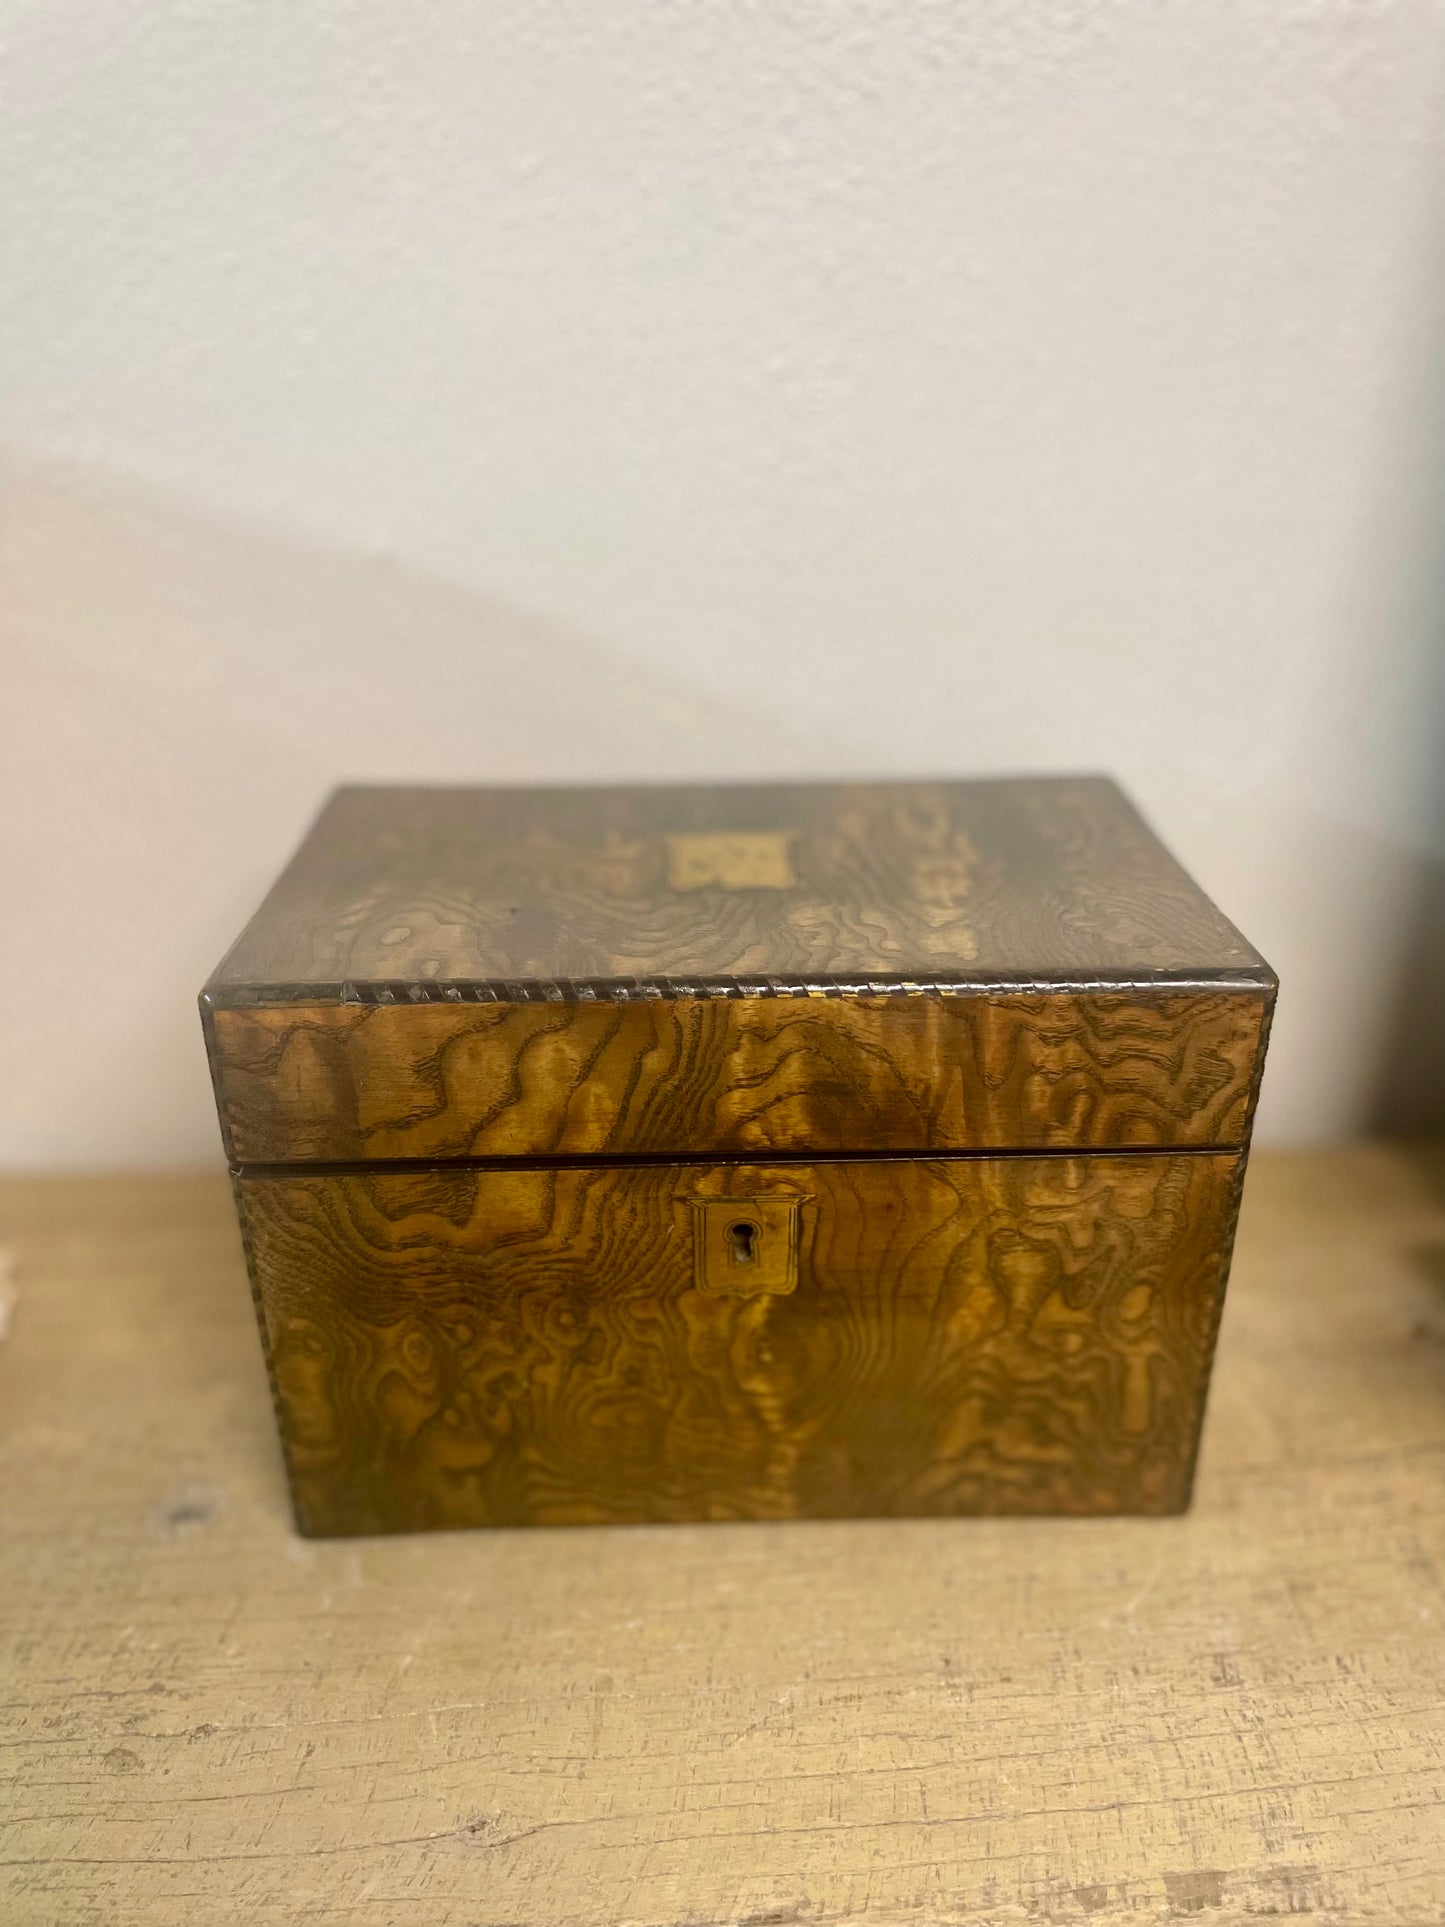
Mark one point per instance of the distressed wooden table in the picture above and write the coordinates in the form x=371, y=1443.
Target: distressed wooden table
x=1230, y=1715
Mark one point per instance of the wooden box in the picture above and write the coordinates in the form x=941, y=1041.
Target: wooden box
x=736, y=1153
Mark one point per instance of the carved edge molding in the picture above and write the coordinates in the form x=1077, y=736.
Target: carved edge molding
x=623, y=990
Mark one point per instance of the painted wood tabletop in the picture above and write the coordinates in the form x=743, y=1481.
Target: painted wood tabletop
x=1233, y=1714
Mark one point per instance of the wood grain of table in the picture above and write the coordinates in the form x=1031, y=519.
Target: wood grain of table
x=1216, y=1718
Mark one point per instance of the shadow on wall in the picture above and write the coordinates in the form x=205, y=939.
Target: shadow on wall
x=183, y=690
x=1409, y=1093
x=1408, y=1099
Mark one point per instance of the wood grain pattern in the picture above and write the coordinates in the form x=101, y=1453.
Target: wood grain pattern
x=431, y=892
x=455, y=991
x=1227, y=1718
x=528, y=1346
x=700, y=1077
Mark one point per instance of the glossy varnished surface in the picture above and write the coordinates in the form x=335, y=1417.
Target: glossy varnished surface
x=449, y=986
x=341, y=1082
x=437, y=892
x=529, y=1347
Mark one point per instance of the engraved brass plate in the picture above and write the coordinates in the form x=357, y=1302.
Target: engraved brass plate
x=731, y=860
x=745, y=1247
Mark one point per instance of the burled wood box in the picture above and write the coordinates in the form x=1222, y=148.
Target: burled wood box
x=736, y=1153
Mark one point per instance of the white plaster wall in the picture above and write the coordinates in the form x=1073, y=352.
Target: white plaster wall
x=496, y=391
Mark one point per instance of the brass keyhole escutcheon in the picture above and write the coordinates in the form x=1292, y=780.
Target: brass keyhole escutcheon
x=743, y=1237
x=746, y=1247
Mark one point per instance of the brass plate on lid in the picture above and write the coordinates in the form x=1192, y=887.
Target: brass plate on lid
x=731, y=860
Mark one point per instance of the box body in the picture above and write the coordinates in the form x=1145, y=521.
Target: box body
x=736, y=1153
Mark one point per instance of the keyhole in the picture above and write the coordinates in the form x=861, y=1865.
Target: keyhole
x=742, y=1239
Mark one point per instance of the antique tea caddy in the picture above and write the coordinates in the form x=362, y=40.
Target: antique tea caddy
x=736, y=1153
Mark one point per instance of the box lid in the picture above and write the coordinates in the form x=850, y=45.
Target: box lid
x=847, y=968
